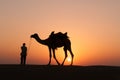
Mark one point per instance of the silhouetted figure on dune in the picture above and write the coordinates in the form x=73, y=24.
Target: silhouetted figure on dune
x=53, y=42
x=23, y=53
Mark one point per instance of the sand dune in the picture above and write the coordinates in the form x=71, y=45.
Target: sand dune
x=54, y=72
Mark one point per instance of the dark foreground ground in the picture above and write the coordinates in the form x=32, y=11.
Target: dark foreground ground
x=43, y=72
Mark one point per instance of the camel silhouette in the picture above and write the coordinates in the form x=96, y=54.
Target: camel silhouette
x=54, y=41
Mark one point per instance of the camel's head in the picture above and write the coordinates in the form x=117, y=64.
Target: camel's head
x=34, y=35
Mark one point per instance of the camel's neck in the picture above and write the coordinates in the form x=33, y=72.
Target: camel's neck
x=40, y=41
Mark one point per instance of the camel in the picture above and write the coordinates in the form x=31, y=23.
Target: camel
x=54, y=41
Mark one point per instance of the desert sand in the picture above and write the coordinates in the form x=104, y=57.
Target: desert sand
x=54, y=72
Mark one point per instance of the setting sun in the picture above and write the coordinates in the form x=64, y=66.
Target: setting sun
x=69, y=59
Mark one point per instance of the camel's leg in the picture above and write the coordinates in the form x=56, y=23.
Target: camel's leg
x=55, y=57
x=71, y=55
x=50, y=56
x=65, y=50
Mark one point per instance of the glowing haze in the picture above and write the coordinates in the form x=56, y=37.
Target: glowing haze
x=93, y=27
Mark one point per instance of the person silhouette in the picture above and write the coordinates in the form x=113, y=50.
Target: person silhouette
x=23, y=53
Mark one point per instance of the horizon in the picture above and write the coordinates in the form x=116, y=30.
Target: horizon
x=93, y=28
x=60, y=65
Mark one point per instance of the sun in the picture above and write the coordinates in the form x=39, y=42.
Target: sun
x=69, y=59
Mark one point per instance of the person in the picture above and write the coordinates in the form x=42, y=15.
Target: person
x=23, y=53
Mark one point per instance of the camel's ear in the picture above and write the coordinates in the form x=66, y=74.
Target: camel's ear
x=65, y=33
x=52, y=32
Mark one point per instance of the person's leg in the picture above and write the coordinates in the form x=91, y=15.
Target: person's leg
x=24, y=59
x=21, y=60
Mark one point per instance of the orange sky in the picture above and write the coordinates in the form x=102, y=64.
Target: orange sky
x=93, y=27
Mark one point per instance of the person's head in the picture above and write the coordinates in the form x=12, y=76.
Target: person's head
x=23, y=44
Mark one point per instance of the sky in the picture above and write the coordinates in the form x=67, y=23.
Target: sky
x=93, y=27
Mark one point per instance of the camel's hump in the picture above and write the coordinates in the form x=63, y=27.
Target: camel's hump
x=60, y=34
